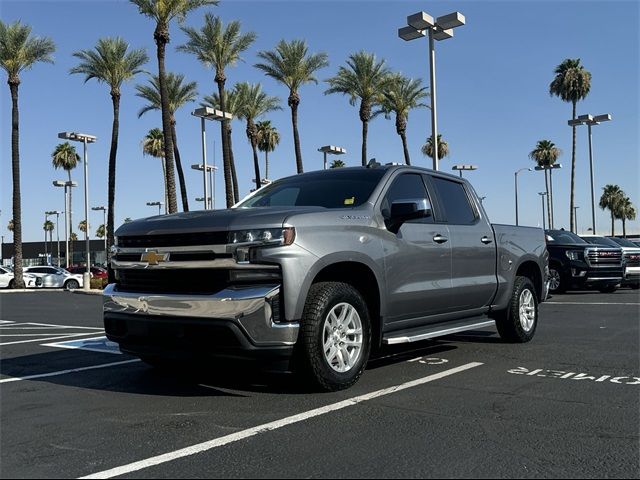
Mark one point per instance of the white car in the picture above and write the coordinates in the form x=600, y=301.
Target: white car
x=54, y=277
x=6, y=279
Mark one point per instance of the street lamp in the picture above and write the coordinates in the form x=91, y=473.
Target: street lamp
x=67, y=208
x=156, y=204
x=57, y=214
x=104, y=224
x=462, y=168
x=439, y=29
x=591, y=120
x=516, y=175
x=551, y=168
x=212, y=182
x=85, y=139
x=542, y=195
x=331, y=150
x=208, y=113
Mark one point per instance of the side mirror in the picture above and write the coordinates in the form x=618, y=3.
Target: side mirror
x=404, y=210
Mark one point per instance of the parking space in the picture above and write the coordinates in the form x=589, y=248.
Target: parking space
x=565, y=404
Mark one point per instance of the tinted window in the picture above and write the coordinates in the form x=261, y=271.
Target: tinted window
x=623, y=242
x=408, y=186
x=340, y=189
x=455, y=202
x=601, y=241
x=561, y=236
x=2, y=271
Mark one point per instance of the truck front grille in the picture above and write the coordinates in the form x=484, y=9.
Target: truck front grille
x=632, y=259
x=185, y=281
x=174, y=240
x=604, y=258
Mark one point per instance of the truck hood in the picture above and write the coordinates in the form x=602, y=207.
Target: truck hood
x=214, y=220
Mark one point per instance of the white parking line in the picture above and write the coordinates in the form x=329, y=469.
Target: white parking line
x=5, y=321
x=63, y=372
x=47, y=339
x=267, y=427
x=591, y=303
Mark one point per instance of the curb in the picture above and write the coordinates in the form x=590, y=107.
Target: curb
x=31, y=290
x=87, y=292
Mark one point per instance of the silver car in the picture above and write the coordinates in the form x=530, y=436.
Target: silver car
x=54, y=277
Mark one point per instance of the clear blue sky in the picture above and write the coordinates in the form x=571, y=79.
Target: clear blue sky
x=493, y=99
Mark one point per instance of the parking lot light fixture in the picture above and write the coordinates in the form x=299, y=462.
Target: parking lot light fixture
x=85, y=139
x=590, y=120
x=212, y=181
x=57, y=214
x=439, y=29
x=208, y=113
x=156, y=204
x=461, y=168
x=331, y=150
x=516, y=182
x=67, y=209
x=542, y=195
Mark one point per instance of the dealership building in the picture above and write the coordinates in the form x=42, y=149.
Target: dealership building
x=41, y=253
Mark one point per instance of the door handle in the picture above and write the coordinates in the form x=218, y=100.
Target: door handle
x=486, y=240
x=440, y=239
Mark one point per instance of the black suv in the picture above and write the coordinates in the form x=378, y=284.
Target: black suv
x=576, y=264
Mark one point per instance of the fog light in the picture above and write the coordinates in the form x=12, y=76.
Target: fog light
x=578, y=273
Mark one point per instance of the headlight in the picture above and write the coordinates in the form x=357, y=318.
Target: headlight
x=573, y=254
x=266, y=236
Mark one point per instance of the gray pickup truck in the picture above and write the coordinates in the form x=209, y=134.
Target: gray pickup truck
x=314, y=272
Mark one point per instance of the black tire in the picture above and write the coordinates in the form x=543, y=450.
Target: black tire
x=634, y=286
x=555, y=271
x=609, y=289
x=509, y=323
x=12, y=285
x=72, y=285
x=322, y=298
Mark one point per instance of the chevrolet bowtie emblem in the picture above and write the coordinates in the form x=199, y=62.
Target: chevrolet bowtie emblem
x=154, y=258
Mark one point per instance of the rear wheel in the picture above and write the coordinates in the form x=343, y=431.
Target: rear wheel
x=519, y=321
x=12, y=285
x=336, y=336
x=557, y=284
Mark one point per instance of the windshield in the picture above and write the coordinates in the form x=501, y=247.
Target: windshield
x=342, y=188
x=561, y=236
x=601, y=241
x=623, y=242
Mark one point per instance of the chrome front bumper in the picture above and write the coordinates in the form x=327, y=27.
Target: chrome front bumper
x=249, y=308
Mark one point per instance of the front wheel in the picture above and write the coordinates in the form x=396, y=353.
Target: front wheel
x=336, y=335
x=12, y=285
x=519, y=321
x=72, y=285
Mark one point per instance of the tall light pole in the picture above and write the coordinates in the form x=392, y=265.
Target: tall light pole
x=104, y=224
x=551, y=168
x=462, y=168
x=208, y=113
x=542, y=195
x=575, y=217
x=156, y=204
x=85, y=139
x=516, y=181
x=67, y=208
x=212, y=182
x=57, y=214
x=591, y=120
x=331, y=150
x=439, y=29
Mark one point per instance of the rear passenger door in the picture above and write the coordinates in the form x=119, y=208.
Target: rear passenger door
x=473, y=251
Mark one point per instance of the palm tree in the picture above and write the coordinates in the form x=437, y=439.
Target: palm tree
x=572, y=84
x=625, y=211
x=443, y=148
x=292, y=65
x=253, y=104
x=232, y=106
x=101, y=231
x=65, y=156
x=153, y=145
x=400, y=96
x=337, y=164
x=163, y=12
x=611, y=198
x=82, y=226
x=268, y=140
x=48, y=228
x=19, y=51
x=363, y=78
x=127, y=220
x=219, y=47
x=10, y=225
x=546, y=154
x=111, y=63
x=179, y=94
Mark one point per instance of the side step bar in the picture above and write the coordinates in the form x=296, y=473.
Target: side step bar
x=433, y=331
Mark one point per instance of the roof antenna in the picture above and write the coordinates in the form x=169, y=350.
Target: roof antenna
x=373, y=164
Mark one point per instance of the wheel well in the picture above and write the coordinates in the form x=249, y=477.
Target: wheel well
x=362, y=278
x=532, y=272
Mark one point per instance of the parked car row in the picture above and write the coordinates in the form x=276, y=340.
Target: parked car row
x=591, y=262
x=7, y=280
x=50, y=277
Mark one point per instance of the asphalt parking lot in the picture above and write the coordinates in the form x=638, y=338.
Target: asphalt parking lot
x=468, y=405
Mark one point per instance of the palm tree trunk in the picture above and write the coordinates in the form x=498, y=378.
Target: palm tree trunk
x=365, y=130
x=613, y=224
x=164, y=175
x=266, y=164
x=401, y=129
x=294, y=101
x=624, y=227
x=115, y=98
x=226, y=162
x=546, y=184
x=15, y=166
x=161, y=36
x=573, y=171
x=183, y=185
x=232, y=163
x=70, y=204
x=251, y=135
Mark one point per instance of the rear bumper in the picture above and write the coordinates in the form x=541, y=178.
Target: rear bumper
x=235, y=322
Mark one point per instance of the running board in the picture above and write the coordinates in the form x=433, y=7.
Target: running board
x=433, y=331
